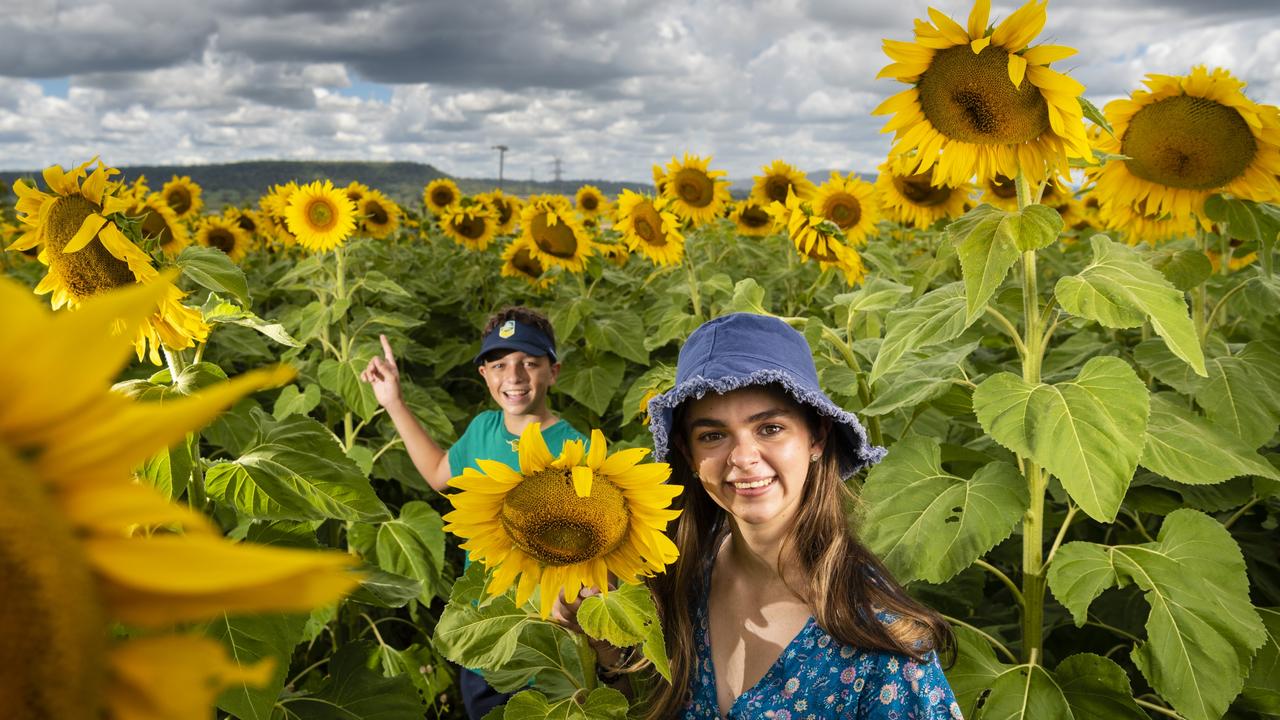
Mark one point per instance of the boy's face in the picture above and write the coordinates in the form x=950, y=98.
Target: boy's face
x=519, y=382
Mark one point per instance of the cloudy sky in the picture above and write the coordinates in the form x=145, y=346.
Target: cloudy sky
x=608, y=86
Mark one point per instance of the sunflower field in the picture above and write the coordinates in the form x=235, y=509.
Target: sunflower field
x=1060, y=320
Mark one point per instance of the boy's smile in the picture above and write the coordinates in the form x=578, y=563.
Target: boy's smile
x=519, y=382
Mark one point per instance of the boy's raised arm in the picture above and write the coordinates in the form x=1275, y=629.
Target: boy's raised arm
x=428, y=457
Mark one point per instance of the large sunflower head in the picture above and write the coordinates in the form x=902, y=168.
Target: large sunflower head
x=981, y=101
x=554, y=235
x=379, y=215
x=752, y=218
x=224, y=234
x=83, y=547
x=320, y=216
x=506, y=207
x=519, y=262
x=87, y=254
x=649, y=227
x=591, y=202
x=818, y=238
x=471, y=224
x=440, y=194
x=161, y=224
x=1186, y=138
x=914, y=199
x=562, y=523
x=697, y=194
x=848, y=202
x=183, y=195
x=780, y=178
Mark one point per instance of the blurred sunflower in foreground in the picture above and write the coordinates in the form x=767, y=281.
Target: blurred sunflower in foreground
x=565, y=522
x=74, y=226
x=84, y=549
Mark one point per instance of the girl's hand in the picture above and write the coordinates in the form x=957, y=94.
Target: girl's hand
x=384, y=376
x=566, y=613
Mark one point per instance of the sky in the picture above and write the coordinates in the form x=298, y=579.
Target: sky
x=609, y=87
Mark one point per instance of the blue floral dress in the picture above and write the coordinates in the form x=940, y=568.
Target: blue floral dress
x=818, y=677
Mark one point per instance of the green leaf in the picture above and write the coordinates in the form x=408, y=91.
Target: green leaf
x=217, y=310
x=1246, y=220
x=1089, y=431
x=353, y=691
x=296, y=472
x=250, y=639
x=593, y=383
x=1095, y=115
x=428, y=672
x=985, y=255
x=380, y=283
x=1120, y=290
x=877, y=294
x=620, y=333
x=1154, y=356
x=626, y=617
x=926, y=523
x=343, y=380
x=1243, y=392
x=291, y=401
x=1185, y=447
x=1262, y=688
x=934, y=318
x=1096, y=687
x=1034, y=227
x=482, y=636
x=549, y=656
x=388, y=590
x=919, y=383
x=748, y=296
x=1186, y=269
x=412, y=545
x=1193, y=578
x=600, y=704
x=212, y=269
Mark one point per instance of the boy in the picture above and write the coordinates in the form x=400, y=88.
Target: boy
x=517, y=360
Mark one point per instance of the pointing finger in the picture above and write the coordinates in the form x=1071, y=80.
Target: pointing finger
x=386, y=349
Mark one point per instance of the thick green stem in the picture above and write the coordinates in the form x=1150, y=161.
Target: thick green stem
x=873, y=421
x=344, y=343
x=197, y=499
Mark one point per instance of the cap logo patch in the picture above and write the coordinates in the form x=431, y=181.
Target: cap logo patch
x=507, y=330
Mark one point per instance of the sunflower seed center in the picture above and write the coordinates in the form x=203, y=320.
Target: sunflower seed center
x=1188, y=142
x=694, y=187
x=842, y=209
x=557, y=240
x=546, y=519
x=970, y=98
x=91, y=269
x=920, y=189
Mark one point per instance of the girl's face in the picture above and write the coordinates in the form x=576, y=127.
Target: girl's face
x=751, y=449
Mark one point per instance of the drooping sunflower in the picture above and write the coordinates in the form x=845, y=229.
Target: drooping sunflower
x=224, y=234
x=1188, y=137
x=778, y=179
x=561, y=523
x=751, y=218
x=507, y=208
x=320, y=216
x=160, y=222
x=471, y=225
x=815, y=238
x=697, y=194
x=981, y=101
x=379, y=214
x=555, y=236
x=912, y=199
x=649, y=227
x=440, y=194
x=183, y=195
x=87, y=254
x=519, y=262
x=84, y=547
x=591, y=202
x=850, y=203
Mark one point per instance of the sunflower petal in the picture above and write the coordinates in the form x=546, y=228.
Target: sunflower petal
x=596, y=455
x=87, y=232
x=978, y=19
x=582, y=477
x=1017, y=69
x=174, y=676
x=535, y=456
x=1045, y=54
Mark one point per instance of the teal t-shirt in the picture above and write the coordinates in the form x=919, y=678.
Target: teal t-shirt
x=487, y=438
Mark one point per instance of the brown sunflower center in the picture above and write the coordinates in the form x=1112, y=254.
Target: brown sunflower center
x=776, y=187
x=920, y=190
x=1003, y=187
x=557, y=240
x=969, y=98
x=245, y=222
x=546, y=519
x=320, y=214
x=154, y=225
x=694, y=187
x=842, y=209
x=375, y=213
x=471, y=227
x=589, y=202
x=755, y=216
x=526, y=263
x=504, y=210
x=1188, y=142
x=52, y=639
x=442, y=197
x=647, y=224
x=178, y=198
x=221, y=238
x=91, y=269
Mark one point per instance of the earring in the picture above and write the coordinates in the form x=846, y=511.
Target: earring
x=814, y=457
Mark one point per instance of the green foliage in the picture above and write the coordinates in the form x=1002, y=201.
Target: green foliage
x=627, y=617
x=211, y=268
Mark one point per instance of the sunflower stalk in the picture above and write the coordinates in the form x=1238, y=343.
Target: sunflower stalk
x=692, y=275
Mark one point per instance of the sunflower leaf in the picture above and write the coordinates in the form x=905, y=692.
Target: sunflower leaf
x=217, y=310
x=1262, y=688
x=621, y=333
x=1186, y=269
x=1095, y=116
x=479, y=635
x=593, y=383
x=412, y=545
x=627, y=617
x=600, y=704
x=1246, y=220
x=919, y=383
x=1242, y=393
x=211, y=268
x=985, y=255
x=934, y=318
x=353, y=690
x=1185, y=447
x=387, y=590
x=249, y=639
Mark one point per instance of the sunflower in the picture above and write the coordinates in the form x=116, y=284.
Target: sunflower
x=778, y=179
x=913, y=199
x=554, y=235
x=1187, y=138
x=518, y=262
x=183, y=196
x=245, y=219
x=160, y=222
x=649, y=227
x=86, y=548
x=356, y=191
x=379, y=215
x=697, y=194
x=850, y=203
x=507, y=208
x=138, y=189
x=224, y=234
x=320, y=216
x=981, y=102
x=590, y=202
x=816, y=238
x=1234, y=262
x=471, y=225
x=88, y=254
x=439, y=194
x=615, y=252
x=752, y=218
x=567, y=522
x=1139, y=226
x=659, y=180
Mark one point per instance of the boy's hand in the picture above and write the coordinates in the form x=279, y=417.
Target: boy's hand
x=384, y=376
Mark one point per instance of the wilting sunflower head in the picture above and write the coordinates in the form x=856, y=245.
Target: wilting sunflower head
x=519, y=262
x=320, y=216
x=850, y=203
x=379, y=215
x=83, y=547
x=440, y=194
x=1186, y=138
x=224, y=234
x=472, y=225
x=553, y=233
x=817, y=238
x=650, y=228
x=161, y=224
x=780, y=178
x=696, y=194
x=981, y=101
x=506, y=207
x=751, y=218
x=915, y=199
x=561, y=523
x=183, y=195
x=590, y=201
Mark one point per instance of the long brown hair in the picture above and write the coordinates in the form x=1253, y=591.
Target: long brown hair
x=843, y=581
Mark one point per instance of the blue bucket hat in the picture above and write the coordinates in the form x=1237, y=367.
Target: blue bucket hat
x=743, y=349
